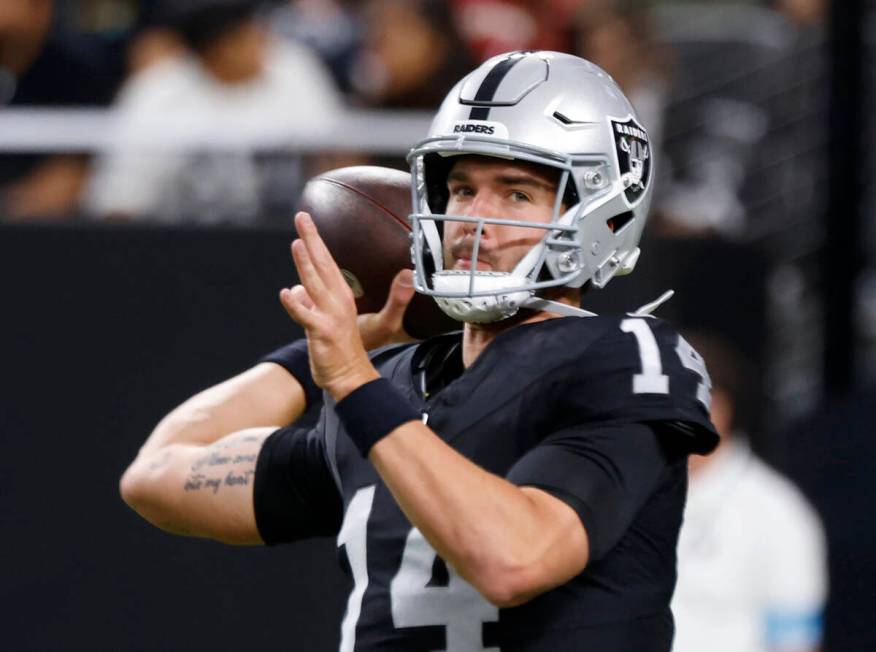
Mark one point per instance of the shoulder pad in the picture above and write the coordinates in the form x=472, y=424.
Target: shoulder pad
x=642, y=370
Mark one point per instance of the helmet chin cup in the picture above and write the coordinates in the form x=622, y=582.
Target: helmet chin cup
x=495, y=306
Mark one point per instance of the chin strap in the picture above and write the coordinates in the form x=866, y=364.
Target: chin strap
x=648, y=308
x=534, y=303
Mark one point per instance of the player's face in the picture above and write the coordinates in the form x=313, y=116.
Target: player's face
x=482, y=186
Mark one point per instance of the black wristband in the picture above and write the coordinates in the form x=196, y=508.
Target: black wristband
x=372, y=411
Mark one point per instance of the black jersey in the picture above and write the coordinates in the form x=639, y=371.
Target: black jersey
x=600, y=411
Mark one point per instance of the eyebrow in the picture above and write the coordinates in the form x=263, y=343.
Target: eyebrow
x=507, y=180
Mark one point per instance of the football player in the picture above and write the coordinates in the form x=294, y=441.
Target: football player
x=518, y=485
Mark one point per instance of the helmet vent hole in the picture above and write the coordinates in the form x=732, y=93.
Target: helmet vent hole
x=566, y=120
x=618, y=222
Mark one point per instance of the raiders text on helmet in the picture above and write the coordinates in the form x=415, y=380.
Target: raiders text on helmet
x=551, y=109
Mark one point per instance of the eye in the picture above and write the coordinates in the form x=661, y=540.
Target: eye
x=461, y=191
x=518, y=196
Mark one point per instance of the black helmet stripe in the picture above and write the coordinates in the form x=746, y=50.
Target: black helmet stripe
x=488, y=87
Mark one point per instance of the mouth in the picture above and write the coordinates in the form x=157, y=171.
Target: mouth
x=466, y=264
x=461, y=255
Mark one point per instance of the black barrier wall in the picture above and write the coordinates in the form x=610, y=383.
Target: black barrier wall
x=106, y=329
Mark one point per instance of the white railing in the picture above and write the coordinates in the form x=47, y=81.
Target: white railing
x=89, y=130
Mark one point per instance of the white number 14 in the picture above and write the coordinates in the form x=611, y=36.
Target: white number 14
x=652, y=380
x=458, y=606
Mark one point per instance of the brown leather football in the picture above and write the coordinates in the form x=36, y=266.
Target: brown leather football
x=361, y=213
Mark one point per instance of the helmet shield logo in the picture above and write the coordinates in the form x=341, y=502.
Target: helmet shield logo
x=633, y=157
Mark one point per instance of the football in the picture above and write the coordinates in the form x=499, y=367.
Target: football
x=361, y=213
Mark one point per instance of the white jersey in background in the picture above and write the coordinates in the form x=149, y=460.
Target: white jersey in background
x=751, y=561
x=142, y=175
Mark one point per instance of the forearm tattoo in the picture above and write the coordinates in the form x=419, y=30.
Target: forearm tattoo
x=217, y=468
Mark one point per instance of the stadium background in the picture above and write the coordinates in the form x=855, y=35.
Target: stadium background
x=106, y=325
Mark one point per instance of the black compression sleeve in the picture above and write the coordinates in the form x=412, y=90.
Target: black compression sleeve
x=295, y=496
x=605, y=473
x=293, y=358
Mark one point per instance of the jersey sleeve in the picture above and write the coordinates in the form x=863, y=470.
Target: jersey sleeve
x=641, y=371
x=294, y=359
x=295, y=495
x=605, y=473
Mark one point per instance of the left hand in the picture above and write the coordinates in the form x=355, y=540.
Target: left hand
x=324, y=306
x=387, y=326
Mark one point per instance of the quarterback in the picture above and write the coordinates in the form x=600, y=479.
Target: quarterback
x=517, y=485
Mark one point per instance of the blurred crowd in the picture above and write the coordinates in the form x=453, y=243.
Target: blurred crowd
x=213, y=102
x=733, y=94
x=219, y=108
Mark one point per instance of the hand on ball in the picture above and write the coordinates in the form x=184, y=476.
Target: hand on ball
x=324, y=306
x=369, y=205
x=386, y=327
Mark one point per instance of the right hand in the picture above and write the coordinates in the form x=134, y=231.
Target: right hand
x=386, y=327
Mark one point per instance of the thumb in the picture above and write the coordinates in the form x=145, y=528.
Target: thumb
x=400, y=294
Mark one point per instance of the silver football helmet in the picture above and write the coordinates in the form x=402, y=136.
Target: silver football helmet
x=551, y=109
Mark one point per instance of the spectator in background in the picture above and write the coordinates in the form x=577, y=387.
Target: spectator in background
x=153, y=45
x=45, y=66
x=410, y=57
x=412, y=54
x=804, y=13
x=490, y=27
x=751, y=554
x=235, y=82
x=619, y=37
x=330, y=27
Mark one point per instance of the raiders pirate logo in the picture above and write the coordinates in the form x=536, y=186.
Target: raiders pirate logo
x=633, y=156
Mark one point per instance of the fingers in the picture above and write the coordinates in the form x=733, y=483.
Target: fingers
x=307, y=271
x=299, y=305
x=320, y=256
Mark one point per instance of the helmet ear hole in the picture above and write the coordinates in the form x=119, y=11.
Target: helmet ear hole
x=570, y=196
x=435, y=171
x=428, y=262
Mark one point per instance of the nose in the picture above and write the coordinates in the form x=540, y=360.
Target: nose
x=479, y=208
x=484, y=204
